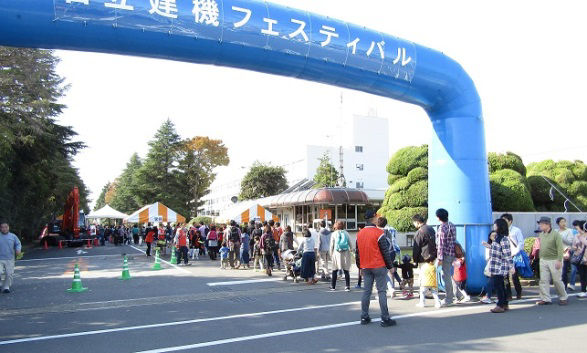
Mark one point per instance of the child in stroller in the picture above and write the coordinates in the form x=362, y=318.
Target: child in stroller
x=293, y=264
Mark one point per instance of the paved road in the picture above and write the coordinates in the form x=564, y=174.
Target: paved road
x=177, y=309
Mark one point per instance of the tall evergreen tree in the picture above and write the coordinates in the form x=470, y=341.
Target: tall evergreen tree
x=326, y=175
x=35, y=152
x=157, y=179
x=127, y=185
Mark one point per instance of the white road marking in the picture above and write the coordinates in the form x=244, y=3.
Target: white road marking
x=316, y=328
x=173, y=323
x=167, y=262
x=68, y=257
x=230, y=283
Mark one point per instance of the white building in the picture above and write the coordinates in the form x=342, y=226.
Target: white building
x=361, y=148
x=363, y=151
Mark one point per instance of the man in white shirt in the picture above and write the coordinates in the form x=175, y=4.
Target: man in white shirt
x=568, y=237
x=517, y=244
x=316, y=238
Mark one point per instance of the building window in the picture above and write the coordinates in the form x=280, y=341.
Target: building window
x=359, y=166
x=360, y=185
x=359, y=149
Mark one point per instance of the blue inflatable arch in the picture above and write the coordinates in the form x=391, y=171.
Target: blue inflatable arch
x=264, y=37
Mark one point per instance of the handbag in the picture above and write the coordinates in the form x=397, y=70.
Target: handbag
x=577, y=258
x=522, y=264
x=486, y=270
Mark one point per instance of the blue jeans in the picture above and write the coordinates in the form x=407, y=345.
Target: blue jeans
x=566, y=265
x=379, y=276
x=489, y=287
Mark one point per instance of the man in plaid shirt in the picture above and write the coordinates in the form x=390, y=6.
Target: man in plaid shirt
x=446, y=235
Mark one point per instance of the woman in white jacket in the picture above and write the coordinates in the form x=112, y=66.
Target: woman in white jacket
x=340, y=250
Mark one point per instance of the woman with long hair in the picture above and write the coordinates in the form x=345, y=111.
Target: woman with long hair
x=500, y=263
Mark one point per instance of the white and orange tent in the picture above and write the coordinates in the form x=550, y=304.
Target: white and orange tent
x=246, y=212
x=154, y=213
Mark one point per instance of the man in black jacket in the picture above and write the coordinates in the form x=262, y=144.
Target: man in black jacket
x=424, y=248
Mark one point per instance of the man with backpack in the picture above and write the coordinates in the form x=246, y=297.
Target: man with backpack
x=234, y=245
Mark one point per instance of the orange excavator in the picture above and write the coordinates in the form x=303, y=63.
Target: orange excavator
x=71, y=226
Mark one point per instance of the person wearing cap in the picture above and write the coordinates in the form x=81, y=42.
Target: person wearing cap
x=374, y=258
x=551, y=256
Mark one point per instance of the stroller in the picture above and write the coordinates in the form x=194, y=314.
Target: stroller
x=293, y=264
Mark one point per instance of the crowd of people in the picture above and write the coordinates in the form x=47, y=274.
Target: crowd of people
x=558, y=256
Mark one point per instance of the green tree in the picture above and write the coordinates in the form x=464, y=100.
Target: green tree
x=35, y=151
x=101, y=201
x=126, y=197
x=198, y=158
x=407, y=194
x=326, y=175
x=157, y=179
x=262, y=181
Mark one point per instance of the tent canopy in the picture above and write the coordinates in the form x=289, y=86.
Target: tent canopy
x=153, y=213
x=107, y=212
x=247, y=211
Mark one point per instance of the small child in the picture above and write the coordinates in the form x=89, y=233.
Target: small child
x=257, y=256
x=460, y=275
x=428, y=282
x=407, y=268
x=224, y=256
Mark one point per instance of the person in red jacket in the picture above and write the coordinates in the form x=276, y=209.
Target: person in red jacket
x=375, y=259
x=149, y=239
x=460, y=275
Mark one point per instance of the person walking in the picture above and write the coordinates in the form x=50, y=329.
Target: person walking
x=551, y=255
x=268, y=246
x=10, y=247
x=234, y=244
x=568, y=238
x=340, y=248
x=277, y=231
x=183, y=243
x=135, y=234
x=324, y=250
x=500, y=263
x=212, y=242
x=373, y=257
x=445, y=253
x=516, y=239
x=244, y=250
x=149, y=239
x=489, y=286
x=579, y=248
x=308, y=250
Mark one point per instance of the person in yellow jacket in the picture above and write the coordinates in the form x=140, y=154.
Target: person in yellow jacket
x=428, y=283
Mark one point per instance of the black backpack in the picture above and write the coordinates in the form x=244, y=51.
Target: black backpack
x=235, y=236
x=270, y=243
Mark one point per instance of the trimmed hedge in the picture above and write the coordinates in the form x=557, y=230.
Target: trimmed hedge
x=400, y=185
x=417, y=174
x=392, y=178
x=509, y=191
x=508, y=160
x=402, y=219
x=569, y=177
x=407, y=159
